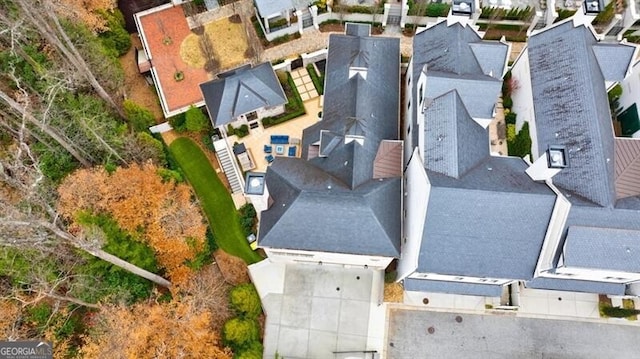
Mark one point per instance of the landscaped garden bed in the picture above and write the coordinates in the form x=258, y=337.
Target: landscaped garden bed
x=275, y=42
x=317, y=79
x=338, y=26
x=517, y=33
x=294, y=108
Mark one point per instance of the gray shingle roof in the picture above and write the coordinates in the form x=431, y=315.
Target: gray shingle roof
x=614, y=60
x=355, y=29
x=479, y=94
x=240, y=91
x=454, y=142
x=626, y=215
x=572, y=285
x=440, y=286
x=572, y=109
x=446, y=49
x=357, y=106
x=492, y=56
x=314, y=211
x=332, y=203
x=467, y=231
x=602, y=248
x=457, y=58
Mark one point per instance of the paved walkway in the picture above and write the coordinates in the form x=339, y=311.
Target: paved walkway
x=498, y=132
x=303, y=82
x=311, y=40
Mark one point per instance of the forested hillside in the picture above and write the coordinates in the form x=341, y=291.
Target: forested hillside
x=103, y=247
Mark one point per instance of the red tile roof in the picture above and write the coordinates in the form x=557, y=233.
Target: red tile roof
x=163, y=32
x=388, y=161
x=627, y=163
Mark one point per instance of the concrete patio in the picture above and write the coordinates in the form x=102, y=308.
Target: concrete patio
x=261, y=136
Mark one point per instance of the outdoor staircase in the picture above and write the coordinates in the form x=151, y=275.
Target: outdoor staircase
x=228, y=166
x=395, y=14
x=307, y=21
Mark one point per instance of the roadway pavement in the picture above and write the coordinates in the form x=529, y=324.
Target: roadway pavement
x=415, y=333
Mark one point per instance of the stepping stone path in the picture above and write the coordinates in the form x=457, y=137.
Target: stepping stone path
x=304, y=84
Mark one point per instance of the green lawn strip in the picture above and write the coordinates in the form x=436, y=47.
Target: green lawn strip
x=215, y=199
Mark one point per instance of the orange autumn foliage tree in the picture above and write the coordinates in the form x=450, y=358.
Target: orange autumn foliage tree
x=169, y=330
x=140, y=202
x=87, y=11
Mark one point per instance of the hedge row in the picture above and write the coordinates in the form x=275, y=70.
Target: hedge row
x=318, y=81
x=491, y=12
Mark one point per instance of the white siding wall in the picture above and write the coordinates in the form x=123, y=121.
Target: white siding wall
x=523, y=99
x=460, y=279
x=270, y=111
x=408, y=120
x=554, y=232
x=631, y=88
x=417, y=189
x=594, y=275
x=293, y=256
x=422, y=81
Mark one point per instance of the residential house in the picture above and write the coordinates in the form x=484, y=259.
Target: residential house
x=333, y=221
x=341, y=202
x=283, y=17
x=565, y=72
x=486, y=225
x=243, y=94
x=468, y=228
x=240, y=97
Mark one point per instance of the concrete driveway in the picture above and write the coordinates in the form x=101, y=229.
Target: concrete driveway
x=318, y=310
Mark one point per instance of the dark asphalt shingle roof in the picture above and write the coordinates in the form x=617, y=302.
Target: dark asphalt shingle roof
x=240, y=91
x=462, y=288
x=457, y=58
x=479, y=94
x=572, y=109
x=314, y=211
x=332, y=203
x=467, y=231
x=454, y=142
x=572, y=285
x=357, y=106
x=602, y=248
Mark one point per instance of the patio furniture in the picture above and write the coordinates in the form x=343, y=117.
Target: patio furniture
x=280, y=150
x=279, y=139
x=267, y=149
x=292, y=151
x=269, y=158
